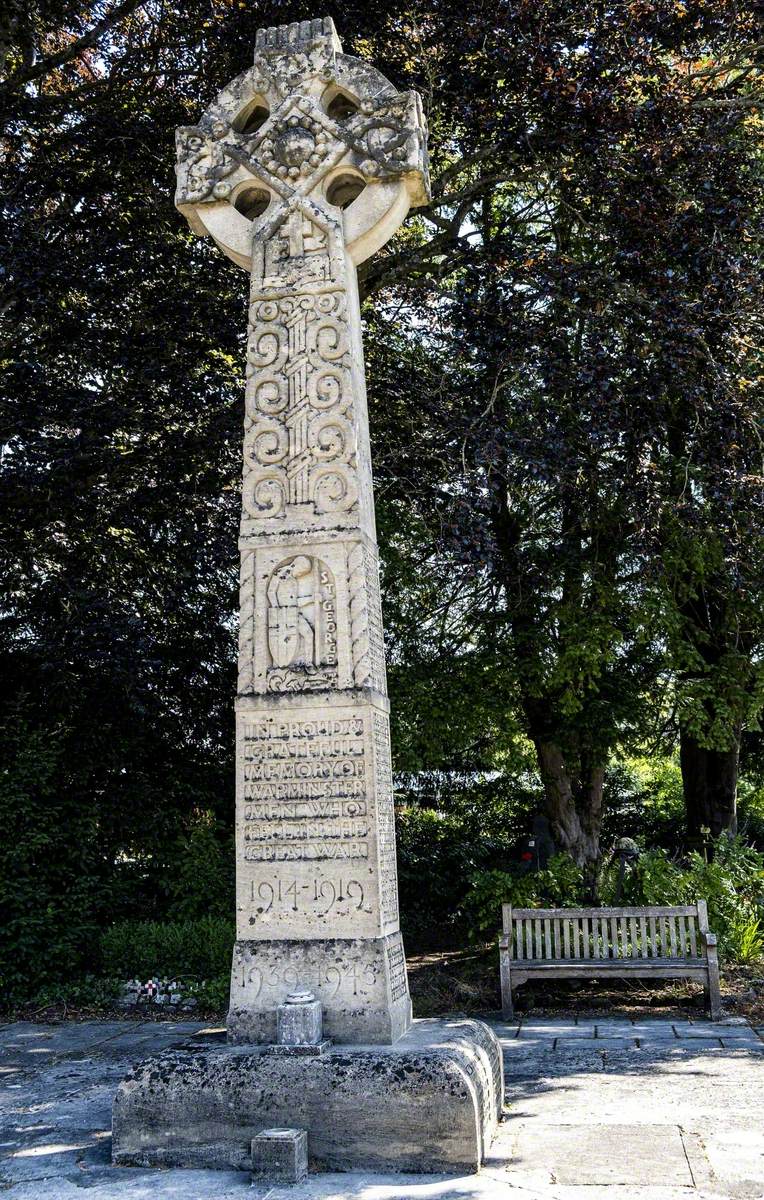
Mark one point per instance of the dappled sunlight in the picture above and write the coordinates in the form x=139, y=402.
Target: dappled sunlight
x=53, y=1148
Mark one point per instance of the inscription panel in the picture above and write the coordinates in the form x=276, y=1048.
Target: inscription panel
x=307, y=824
x=396, y=966
x=361, y=984
x=388, y=872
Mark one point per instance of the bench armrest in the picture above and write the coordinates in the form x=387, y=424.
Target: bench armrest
x=709, y=939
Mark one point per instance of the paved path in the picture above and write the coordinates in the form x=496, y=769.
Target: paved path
x=598, y=1110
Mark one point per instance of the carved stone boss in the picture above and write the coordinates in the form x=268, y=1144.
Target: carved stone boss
x=301, y=168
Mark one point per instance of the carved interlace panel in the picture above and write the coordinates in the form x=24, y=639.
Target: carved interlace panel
x=300, y=436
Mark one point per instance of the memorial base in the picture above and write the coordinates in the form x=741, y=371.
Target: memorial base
x=430, y=1103
x=361, y=983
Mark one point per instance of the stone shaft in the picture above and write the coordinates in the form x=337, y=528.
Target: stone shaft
x=299, y=170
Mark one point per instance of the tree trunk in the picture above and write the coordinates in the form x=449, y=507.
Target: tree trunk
x=573, y=807
x=709, y=779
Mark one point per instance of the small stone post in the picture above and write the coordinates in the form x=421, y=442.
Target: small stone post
x=303, y=167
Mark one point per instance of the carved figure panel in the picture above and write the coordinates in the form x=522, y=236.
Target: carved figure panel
x=302, y=625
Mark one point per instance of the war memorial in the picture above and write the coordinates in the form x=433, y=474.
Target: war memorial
x=303, y=167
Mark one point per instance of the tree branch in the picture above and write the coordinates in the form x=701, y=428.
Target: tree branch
x=85, y=42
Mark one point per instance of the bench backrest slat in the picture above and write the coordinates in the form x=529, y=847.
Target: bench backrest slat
x=595, y=937
x=578, y=934
x=643, y=946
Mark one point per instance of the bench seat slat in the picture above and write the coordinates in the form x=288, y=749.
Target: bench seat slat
x=607, y=964
x=575, y=937
x=633, y=936
x=665, y=969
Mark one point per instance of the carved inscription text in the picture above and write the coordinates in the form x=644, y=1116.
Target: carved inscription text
x=305, y=790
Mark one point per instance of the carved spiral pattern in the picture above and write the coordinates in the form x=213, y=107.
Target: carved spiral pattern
x=265, y=495
x=267, y=349
x=334, y=489
x=267, y=394
x=299, y=453
x=268, y=442
x=331, y=437
x=328, y=340
x=328, y=389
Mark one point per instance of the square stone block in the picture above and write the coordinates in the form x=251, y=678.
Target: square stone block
x=280, y=1155
x=298, y=1020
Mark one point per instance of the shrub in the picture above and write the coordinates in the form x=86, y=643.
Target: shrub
x=200, y=949
x=51, y=884
x=438, y=854
x=732, y=885
x=203, y=876
x=559, y=884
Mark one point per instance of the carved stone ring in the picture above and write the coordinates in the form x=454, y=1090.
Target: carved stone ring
x=306, y=128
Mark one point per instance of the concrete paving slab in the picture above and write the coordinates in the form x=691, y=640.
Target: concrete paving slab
x=703, y=1029
x=523, y=1045
x=733, y=1032
x=643, y=1029
x=755, y=1046
x=617, y=1043
x=587, y=1155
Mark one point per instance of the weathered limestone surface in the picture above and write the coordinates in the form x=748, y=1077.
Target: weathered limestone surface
x=300, y=169
x=429, y=1103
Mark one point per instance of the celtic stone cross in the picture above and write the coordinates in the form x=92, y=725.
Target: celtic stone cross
x=301, y=168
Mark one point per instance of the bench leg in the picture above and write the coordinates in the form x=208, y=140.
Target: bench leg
x=507, y=1008
x=713, y=993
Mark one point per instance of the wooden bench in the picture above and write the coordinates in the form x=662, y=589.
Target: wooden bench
x=587, y=943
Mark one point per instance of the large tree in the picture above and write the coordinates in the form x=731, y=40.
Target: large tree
x=533, y=332
x=590, y=394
